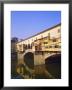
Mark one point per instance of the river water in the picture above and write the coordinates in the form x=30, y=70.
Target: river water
x=50, y=70
x=40, y=72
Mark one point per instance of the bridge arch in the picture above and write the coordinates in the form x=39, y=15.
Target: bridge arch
x=53, y=65
x=29, y=58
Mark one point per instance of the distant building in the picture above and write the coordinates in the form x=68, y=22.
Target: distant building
x=13, y=56
x=13, y=44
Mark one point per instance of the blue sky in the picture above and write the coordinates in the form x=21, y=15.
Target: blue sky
x=27, y=23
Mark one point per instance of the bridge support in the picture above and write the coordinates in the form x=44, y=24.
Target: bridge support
x=20, y=58
x=38, y=58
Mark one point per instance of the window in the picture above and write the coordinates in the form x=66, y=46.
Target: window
x=45, y=42
x=31, y=46
x=54, y=40
x=46, y=46
x=58, y=30
x=28, y=46
x=57, y=46
x=45, y=38
x=50, y=46
x=48, y=35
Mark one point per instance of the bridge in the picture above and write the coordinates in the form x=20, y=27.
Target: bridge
x=36, y=57
x=38, y=50
x=32, y=59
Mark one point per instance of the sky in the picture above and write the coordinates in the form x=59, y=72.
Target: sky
x=27, y=23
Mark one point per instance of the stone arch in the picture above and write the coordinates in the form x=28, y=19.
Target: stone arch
x=26, y=51
x=48, y=55
x=29, y=59
x=53, y=65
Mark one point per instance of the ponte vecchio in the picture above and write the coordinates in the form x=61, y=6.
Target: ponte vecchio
x=37, y=50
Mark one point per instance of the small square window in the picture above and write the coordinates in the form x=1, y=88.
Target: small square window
x=58, y=30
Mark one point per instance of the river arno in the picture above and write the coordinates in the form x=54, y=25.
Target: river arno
x=40, y=72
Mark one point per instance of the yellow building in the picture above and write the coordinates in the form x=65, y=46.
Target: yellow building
x=47, y=40
x=36, y=50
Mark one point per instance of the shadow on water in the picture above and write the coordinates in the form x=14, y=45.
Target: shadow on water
x=53, y=65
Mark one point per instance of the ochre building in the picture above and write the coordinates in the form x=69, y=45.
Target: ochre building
x=40, y=50
x=47, y=40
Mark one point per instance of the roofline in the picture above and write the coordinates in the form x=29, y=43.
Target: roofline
x=41, y=32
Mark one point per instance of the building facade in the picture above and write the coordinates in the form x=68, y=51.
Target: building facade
x=48, y=40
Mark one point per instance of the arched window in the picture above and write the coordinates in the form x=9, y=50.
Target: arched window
x=28, y=46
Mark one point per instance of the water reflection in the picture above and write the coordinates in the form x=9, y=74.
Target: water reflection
x=39, y=72
x=50, y=70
